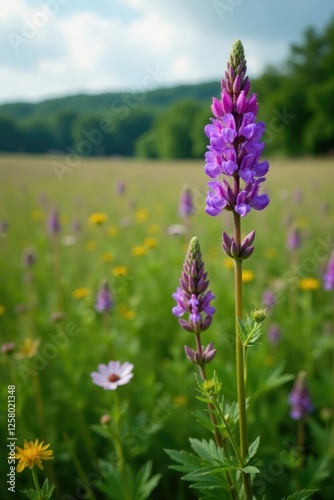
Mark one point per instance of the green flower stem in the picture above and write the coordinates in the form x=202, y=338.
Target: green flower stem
x=220, y=441
x=118, y=445
x=229, y=433
x=36, y=483
x=240, y=353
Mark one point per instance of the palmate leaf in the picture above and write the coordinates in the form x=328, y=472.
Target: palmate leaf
x=300, y=495
x=270, y=379
x=203, y=419
x=211, y=469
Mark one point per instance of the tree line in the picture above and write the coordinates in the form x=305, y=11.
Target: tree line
x=296, y=103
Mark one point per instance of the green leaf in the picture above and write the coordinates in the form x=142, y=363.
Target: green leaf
x=250, y=469
x=203, y=419
x=208, y=450
x=31, y=494
x=101, y=431
x=242, y=330
x=143, y=483
x=253, y=448
x=300, y=495
x=211, y=469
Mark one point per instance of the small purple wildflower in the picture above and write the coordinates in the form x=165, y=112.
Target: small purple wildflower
x=112, y=375
x=268, y=299
x=192, y=296
x=104, y=300
x=8, y=348
x=120, y=187
x=235, y=144
x=53, y=223
x=328, y=279
x=294, y=239
x=186, y=206
x=274, y=334
x=299, y=398
x=28, y=257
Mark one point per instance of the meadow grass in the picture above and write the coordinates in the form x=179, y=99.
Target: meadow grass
x=56, y=400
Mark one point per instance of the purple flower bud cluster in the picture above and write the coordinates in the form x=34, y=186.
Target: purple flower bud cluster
x=104, y=301
x=200, y=358
x=186, y=206
x=235, y=144
x=192, y=296
x=239, y=252
x=299, y=398
x=328, y=279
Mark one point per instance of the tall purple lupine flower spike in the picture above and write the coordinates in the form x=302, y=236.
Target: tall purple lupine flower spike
x=328, y=279
x=235, y=144
x=300, y=399
x=192, y=298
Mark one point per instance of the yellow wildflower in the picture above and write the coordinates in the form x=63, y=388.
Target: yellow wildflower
x=28, y=348
x=32, y=454
x=2, y=309
x=138, y=250
x=180, y=400
x=126, y=313
x=141, y=215
x=309, y=284
x=107, y=257
x=247, y=275
x=37, y=215
x=153, y=229
x=151, y=242
x=81, y=293
x=120, y=271
x=112, y=231
x=90, y=245
x=98, y=218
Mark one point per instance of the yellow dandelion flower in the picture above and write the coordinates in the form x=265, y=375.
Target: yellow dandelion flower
x=97, y=218
x=228, y=263
x=270, y=253
x=37, y=215
x=138, y=250
x=120, y=271
x=90, y=245
x=151, y=242
x=309, y=284
x=180, y=400
x=112, y=231
x=81, y=293
x=247, y=275
x=141, y=215
x=32, y=454
x=28, y=348
x=2, y=309
x=107, y=257
x=153, y=229
x=126, y=313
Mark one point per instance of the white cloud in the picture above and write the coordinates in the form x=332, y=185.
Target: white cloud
x=82, y=50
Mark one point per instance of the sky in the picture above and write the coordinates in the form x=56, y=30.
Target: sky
x=52, y=48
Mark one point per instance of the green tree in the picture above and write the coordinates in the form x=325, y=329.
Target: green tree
x=10, y=136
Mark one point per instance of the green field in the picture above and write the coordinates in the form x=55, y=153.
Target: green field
x=56, y=400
